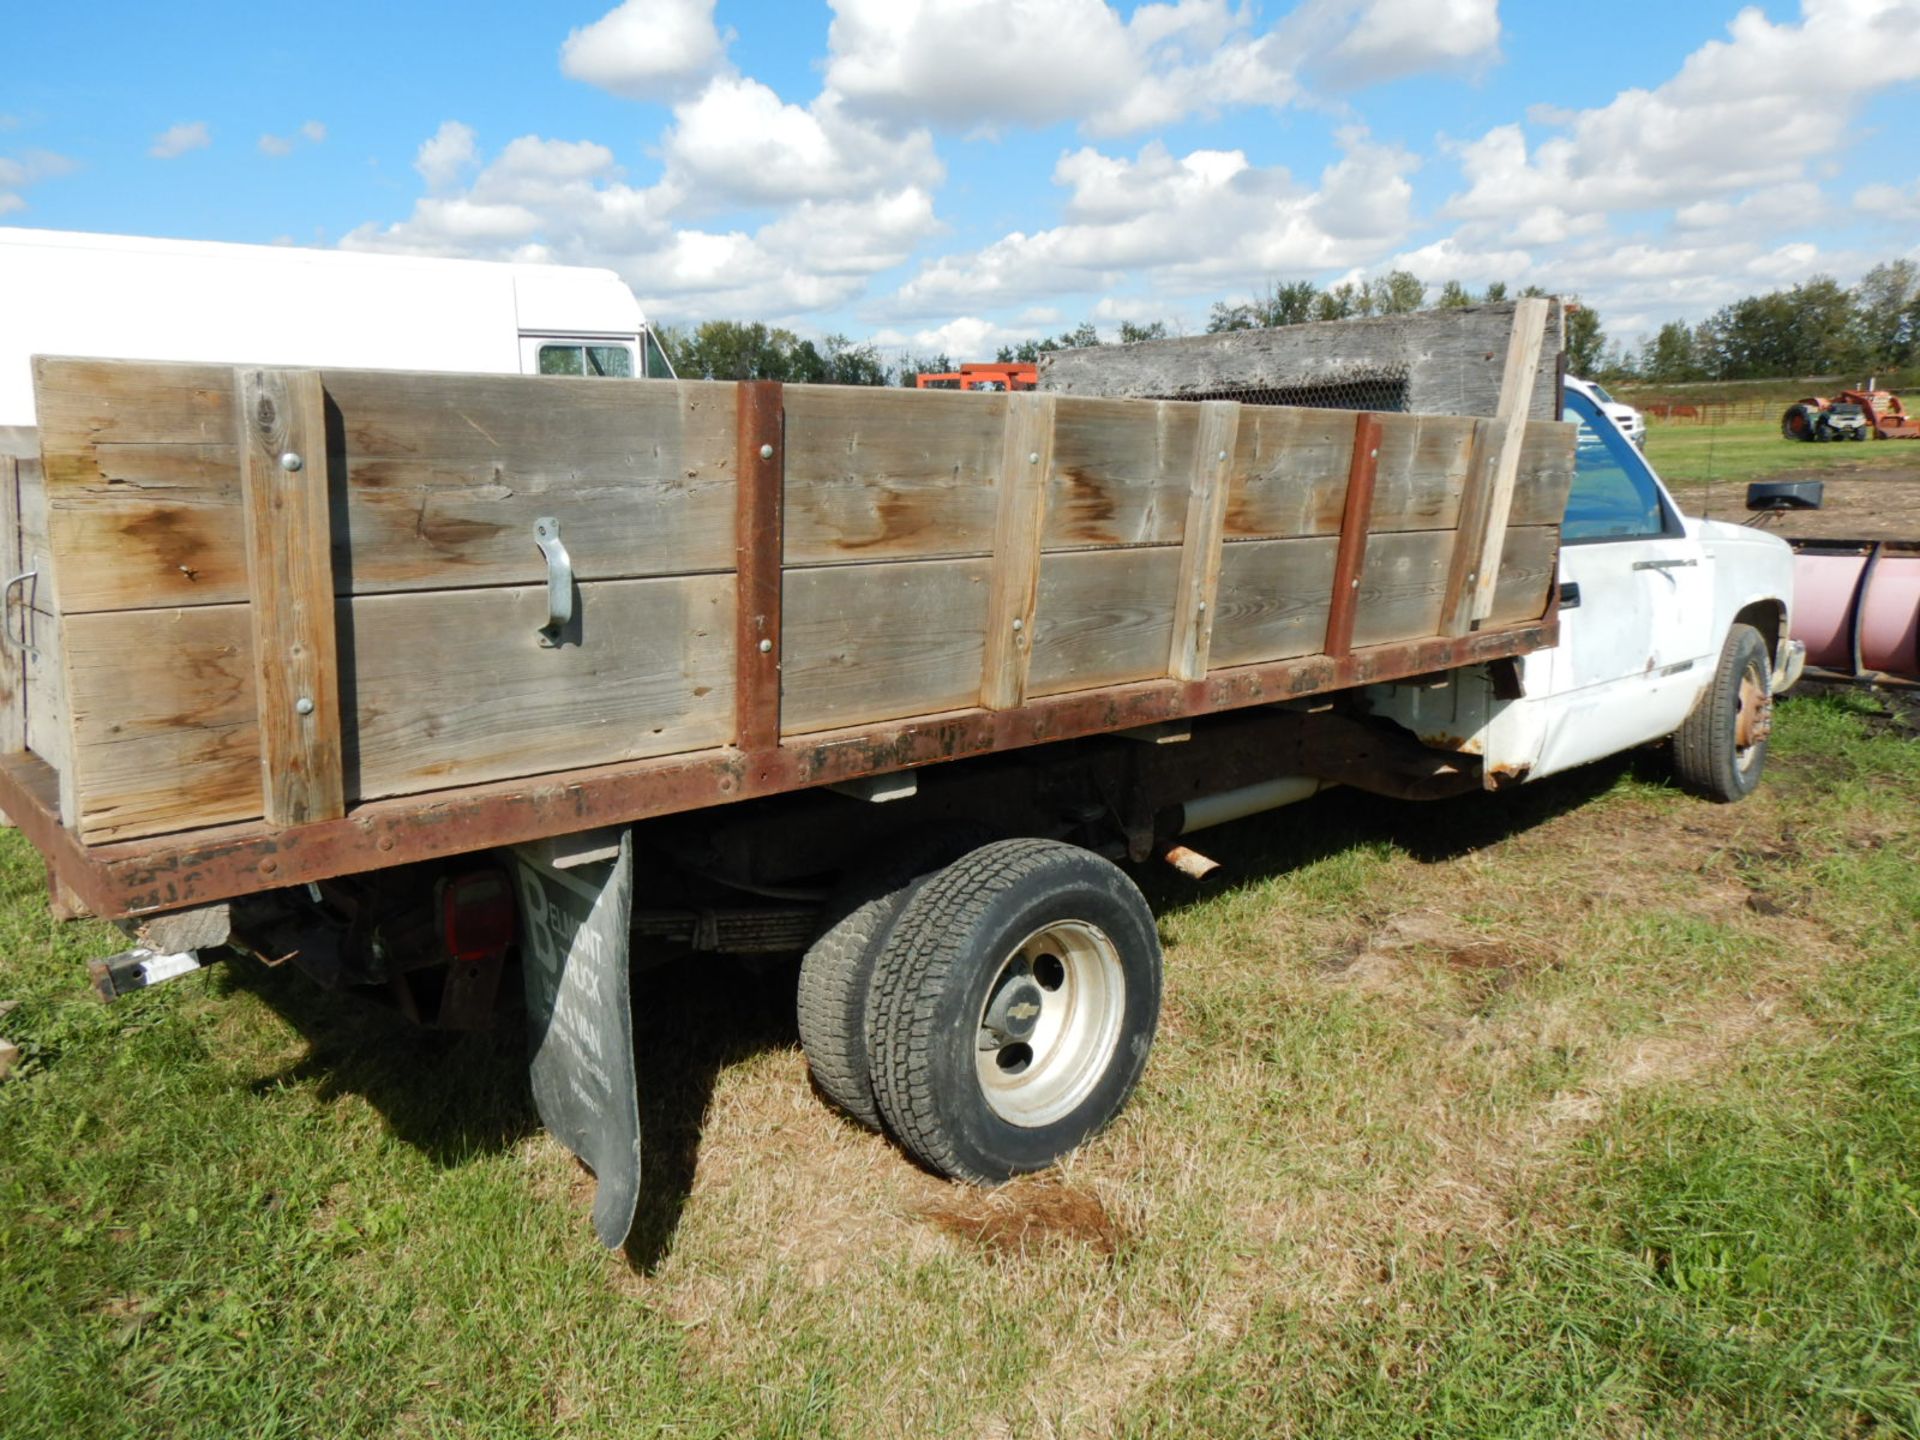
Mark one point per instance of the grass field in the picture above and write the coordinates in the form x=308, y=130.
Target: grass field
x=1687, y=454
x=1587, y=1110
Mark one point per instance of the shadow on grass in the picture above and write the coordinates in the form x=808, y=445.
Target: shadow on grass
x=456, y=1098
x=459, y=1097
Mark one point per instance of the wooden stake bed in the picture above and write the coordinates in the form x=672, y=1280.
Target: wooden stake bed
x=305, y=626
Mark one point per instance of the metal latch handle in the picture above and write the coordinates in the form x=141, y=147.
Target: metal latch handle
x=25, y=639
x=546, y=534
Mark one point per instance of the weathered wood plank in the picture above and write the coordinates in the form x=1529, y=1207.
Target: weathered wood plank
x=446, y=474
x=47, y=728
x=1451, y=360
x=1121, y=472
x=1019, y=527
x=1272, y=601
x=1406, y=582
x=13, y=663
x=890, y=474
x=440, y=689
x=652, y=674
x=1470, y=587
x=1349, y=559
x=758, y=545
x=283, y=441
x=442, y=477
x=876, y=642
x=1103, y=617
x=1290, y=473
x=165, y=732
x=1194, y=594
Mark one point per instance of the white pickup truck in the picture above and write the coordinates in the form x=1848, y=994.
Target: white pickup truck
x=1669, y=626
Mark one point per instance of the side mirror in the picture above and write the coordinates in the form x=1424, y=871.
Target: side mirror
x=1777, y=495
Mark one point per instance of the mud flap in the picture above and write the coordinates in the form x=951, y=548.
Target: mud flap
x=575, y=924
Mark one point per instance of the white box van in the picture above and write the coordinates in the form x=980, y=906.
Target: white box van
x=134, y=298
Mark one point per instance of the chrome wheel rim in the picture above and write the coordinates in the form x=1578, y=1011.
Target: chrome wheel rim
x=1050, y=1023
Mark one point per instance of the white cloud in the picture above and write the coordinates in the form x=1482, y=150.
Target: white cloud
x=1185, y=225
x=446, y=155
x=27, y=168
x=646, y=49
x=1388, y=39
x=1742, y=112
x=313, y=132
x=177, y=140
x=988, y=64
x=739, y=143
x=1889, y=202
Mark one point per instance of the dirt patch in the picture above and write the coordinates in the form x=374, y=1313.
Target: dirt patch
x=1862, y=502
x=1028, y=1214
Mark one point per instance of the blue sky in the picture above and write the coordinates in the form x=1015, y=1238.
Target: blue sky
x=962, y=173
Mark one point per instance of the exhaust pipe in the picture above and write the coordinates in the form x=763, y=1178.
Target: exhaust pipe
x=1210, y=810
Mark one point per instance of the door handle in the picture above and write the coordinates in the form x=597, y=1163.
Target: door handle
x=1663, y=564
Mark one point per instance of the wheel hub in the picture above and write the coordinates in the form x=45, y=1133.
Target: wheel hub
x=1015, y=1011
x=1050, y=1023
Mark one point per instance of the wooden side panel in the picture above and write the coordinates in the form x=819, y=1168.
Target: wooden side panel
x=290, y=574
x=874, y=642
x=454, y=689
x=1121, y=471
x=444, y=476
x=1406, y=580
x=13, y=663
x=439, y=689
x=47, y=723
x=890, y=474
x=1290, y=472
x=1105, y=617
x=1273, y=597
x=165, y=731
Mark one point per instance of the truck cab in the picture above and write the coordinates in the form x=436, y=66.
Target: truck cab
x=1653, y=606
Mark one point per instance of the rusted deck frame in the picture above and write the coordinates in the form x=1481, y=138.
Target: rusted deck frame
x=759, y=551
x=138, y=877
x=1355, y=519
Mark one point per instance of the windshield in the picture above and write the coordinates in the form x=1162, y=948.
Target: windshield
x=1605, y=399
x=1614, y=495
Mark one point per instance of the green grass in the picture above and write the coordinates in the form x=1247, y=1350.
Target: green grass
x=1736, y=453
x=1584, y=1110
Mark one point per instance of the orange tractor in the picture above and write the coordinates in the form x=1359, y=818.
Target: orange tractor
x=1850, y=415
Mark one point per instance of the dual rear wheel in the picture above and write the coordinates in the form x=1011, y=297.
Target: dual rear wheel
x=1010, y=999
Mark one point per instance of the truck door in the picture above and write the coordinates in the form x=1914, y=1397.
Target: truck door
x=1636, y=606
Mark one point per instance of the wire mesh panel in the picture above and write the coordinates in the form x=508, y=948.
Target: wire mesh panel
x=1383, y=388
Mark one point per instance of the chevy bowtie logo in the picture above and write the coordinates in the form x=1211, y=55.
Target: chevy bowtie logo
x=1025, y=1010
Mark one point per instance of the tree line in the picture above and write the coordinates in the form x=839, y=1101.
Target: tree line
x=1816, y=327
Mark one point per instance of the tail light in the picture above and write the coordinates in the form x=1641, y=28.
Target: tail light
x=478, y=918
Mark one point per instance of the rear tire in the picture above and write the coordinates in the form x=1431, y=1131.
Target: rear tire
x=837, y=971
x=1720, y=750
x=1798, y=422
x=1014, y=1008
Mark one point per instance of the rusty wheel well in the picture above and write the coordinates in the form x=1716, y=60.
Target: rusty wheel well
x=1766, y=616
